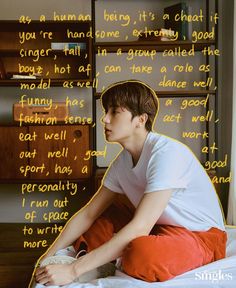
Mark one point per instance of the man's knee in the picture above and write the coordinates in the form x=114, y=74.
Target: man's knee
x=137, y=258
x=160, y=258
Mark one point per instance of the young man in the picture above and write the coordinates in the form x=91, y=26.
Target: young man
x=177, y=225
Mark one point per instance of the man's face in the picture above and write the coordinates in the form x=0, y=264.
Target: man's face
x=119, y=125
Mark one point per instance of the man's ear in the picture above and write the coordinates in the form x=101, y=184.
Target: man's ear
x=143, y=119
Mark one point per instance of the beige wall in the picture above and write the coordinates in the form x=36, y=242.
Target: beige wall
x=11, y=9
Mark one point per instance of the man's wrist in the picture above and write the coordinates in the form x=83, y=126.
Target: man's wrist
x=76, y=272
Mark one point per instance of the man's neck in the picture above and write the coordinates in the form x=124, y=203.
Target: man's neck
x=135, y=146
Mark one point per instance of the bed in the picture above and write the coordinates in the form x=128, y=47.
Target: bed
x=221, y=273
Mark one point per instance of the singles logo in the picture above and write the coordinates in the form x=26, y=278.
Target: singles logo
x=213, y=276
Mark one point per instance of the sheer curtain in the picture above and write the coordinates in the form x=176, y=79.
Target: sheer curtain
x=231, y=219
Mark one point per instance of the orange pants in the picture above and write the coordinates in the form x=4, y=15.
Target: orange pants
x=167, y=252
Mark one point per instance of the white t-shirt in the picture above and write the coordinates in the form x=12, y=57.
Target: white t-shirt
x=164, y=164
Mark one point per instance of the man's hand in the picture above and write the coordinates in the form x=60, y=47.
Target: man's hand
x=58, y=274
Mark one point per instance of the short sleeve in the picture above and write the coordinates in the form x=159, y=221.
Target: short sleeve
x=110, y=180
x=168, y=168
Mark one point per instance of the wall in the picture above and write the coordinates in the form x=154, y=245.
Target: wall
x=226, y=96
x=34, y=8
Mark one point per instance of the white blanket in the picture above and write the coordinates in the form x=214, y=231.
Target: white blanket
x=221, y=273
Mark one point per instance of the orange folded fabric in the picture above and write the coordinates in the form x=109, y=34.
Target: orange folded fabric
x=168, y=252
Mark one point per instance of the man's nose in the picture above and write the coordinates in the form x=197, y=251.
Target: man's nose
x=106, y=118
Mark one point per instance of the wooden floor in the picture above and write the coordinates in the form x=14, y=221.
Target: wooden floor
x=16, y=262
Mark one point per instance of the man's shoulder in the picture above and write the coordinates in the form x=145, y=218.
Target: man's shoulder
x=161, y=141
x=165, y=145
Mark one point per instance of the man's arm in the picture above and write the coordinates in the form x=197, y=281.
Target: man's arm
x=82, y=220
x=147, y=213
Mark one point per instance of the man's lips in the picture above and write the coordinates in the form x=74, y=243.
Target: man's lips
x=107, y=130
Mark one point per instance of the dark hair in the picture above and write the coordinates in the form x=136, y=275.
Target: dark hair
x=135, y=96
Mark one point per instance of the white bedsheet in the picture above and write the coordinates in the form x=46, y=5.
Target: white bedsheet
x=221, y=273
